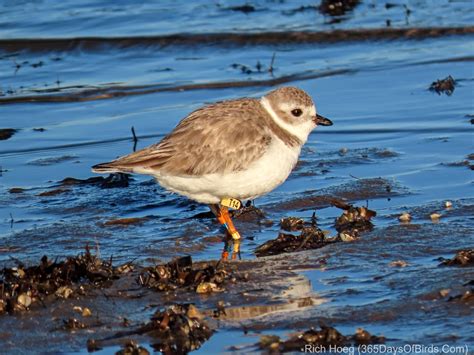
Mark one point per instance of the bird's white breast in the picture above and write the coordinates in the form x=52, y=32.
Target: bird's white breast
x=261, y=177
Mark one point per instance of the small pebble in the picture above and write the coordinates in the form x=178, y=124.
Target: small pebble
x=24, y=300
x=347, y=237
x=86, y=312
x=444, y=292
x=343, y=151
x=207, y=287
x=64, y=292
x=398, y=263
x=404, y=217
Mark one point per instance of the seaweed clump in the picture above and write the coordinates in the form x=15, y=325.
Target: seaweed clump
x=444, y=86
x=337, y=7
x=292, y=224
x=6, y=133
x=178, y=329
x=324, y=337
x=309, y=238
x=131, y=347
x=23, y=286
x=462, y=258
x=352, y=221
x=183, y=274
x=111, y=181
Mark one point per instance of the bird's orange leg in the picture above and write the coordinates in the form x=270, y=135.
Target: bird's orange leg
x=222, y=215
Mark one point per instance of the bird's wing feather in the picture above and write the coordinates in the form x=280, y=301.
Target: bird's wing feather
x=221, y=138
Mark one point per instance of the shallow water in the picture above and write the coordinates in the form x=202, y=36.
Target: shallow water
x=386, y=124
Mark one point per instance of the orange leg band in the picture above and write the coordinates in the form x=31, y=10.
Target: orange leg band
x=224, y=212
x=223, y=216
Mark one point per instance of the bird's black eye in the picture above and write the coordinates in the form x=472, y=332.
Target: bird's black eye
x=297, y=112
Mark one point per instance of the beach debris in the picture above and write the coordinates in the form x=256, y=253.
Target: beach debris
x=115, y=180
x=362, y=336
x=355, y=218
x=131, y=347
x=405, y=217
x=208, y=287
x=178, y=329
x=462, y=258
x=246, y=9
x=93, y=345
x=16, y=190
x=343, y=151
x=86, y=312
x=73, y=324
x=468, y=162
x=309, y=238
x=24, y=301
x=64, y=292
x=6, y=133
x=111, y=181
x=348, y=236
x=337, y=7
x=24, y=286
x=324, y=336
x=444, y=292
x=220, y=309
x=291, y=224
x=352, y=221
x=398, y=263
x=248, y=69
x=248, y=213
x=443, y=86
x=181, y=273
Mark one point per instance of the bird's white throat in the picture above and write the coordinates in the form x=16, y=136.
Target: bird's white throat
x=301, y=131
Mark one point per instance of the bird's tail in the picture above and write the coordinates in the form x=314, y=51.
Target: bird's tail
x=110, y=167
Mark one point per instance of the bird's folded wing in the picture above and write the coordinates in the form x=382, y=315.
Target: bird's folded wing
x=222, y=138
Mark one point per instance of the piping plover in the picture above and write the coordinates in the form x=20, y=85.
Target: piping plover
x=229, y=151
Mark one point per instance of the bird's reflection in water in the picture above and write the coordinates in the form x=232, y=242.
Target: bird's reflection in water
x=232, y=247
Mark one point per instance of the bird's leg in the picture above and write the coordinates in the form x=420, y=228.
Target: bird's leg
x=216, y=209
x=223, y=216
x=224, y=212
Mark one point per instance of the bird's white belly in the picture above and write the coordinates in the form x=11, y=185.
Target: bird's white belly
x=261, y=177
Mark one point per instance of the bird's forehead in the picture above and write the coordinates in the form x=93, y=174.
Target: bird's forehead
x=292, y=95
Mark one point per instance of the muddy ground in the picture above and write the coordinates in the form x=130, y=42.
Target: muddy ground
x=387, y=275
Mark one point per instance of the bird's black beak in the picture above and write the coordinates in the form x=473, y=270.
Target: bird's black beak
x=322, y=121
